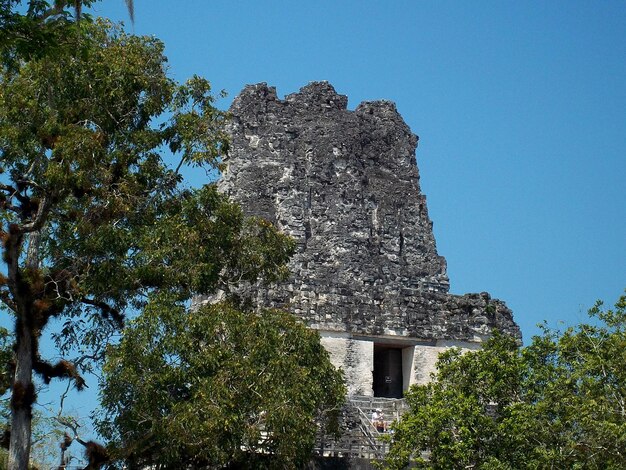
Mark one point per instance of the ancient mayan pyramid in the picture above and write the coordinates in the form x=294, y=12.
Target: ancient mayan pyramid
x=367, y=275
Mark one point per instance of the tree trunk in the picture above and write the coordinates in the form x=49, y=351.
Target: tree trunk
x=21, y=402
x=23, y=392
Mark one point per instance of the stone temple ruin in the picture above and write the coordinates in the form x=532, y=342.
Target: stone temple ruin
x=345, y=185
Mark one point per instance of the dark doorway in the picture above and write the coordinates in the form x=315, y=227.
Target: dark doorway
x=387, y=371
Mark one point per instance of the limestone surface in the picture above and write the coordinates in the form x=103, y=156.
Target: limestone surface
x=345, y=185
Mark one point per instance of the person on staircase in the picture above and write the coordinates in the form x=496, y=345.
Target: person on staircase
x=378, y=420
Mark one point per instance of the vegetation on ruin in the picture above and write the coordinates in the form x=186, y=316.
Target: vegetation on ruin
x=560, y=402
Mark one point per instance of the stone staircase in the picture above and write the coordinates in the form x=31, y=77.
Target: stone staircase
x=359, y=438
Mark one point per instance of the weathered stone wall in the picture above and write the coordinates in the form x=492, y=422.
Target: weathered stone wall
x=355, y=358
x=425, y=358
x=345, y=185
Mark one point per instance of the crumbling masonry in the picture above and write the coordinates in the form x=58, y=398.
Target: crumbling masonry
x=345, y=185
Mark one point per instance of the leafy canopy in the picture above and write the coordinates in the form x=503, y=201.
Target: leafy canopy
x=558, y=403
x=82, y=169
x=216, y=387
x=92, y=219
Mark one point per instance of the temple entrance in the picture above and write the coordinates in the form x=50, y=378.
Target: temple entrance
x=388, y=381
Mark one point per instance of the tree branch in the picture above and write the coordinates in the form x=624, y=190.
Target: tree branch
x=62, y=369
x=8, y=188
x=5, y=298
x=107, y=310
x=14, y=193
x=40, y=217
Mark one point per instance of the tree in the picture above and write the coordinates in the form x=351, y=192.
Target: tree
x=92, y=219
x=558, y=403
x=37, y=28
x=216, y=387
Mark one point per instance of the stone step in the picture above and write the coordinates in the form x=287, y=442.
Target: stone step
x=392, y=408
x=359, y=436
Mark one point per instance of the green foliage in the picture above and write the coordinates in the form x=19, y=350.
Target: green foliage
x=452, y=418
x=92, y=219
x=81, y=157
x=558, y=403
x=33, y=29
x=216, y=387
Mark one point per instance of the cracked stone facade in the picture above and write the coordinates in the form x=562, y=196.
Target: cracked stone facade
x=345, y=185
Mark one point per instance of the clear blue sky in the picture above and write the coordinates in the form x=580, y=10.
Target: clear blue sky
x=520, y=108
